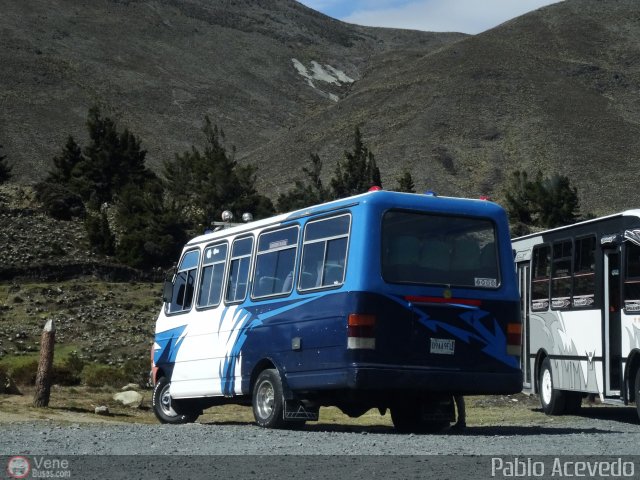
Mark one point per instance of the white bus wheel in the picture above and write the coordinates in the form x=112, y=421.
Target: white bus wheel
x=551, y=399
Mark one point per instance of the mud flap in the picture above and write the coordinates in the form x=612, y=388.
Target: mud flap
x=297, y=410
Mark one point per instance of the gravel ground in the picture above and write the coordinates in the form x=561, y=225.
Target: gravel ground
x=585, y=436
x=234, y=450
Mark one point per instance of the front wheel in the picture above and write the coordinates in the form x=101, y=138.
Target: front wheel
x=267, y=400
x=551, y=400
x=168, y=410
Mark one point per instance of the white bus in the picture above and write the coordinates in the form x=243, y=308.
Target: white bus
x=580, y=301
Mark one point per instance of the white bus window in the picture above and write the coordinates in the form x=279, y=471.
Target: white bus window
x=275, y=260
x=213, y=263
x=184, y=283
x=239, y=270
x=541, y=271
x=584, y=277
x=324, y=253
x=561, y=275
x=632, y=279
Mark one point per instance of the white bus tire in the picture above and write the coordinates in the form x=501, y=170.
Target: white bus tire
x=551, y=399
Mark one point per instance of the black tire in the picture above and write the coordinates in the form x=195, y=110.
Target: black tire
x=636, y=387
x=551, y=399
x=267, y=400
x=167, y=410
x=407, y=417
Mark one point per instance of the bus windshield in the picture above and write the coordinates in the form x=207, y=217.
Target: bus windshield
x=427, y=248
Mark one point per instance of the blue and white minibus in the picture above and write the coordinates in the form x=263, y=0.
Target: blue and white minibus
x=383, y=300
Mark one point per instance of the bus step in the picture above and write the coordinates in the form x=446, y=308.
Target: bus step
x=296, y=410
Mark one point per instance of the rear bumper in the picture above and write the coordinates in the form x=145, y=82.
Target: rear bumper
x=436, y=381
x=394, y=378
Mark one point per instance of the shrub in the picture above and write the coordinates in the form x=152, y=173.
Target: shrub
x=25, y=374
x=137, y=370
x=59, y=202
x=95, y=375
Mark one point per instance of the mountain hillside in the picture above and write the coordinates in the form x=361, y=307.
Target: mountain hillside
x=256, y=67
x=555, y=90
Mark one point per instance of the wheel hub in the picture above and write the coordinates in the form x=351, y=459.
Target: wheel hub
x=265, y=399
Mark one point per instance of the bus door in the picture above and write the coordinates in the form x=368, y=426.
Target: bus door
x=523, y=284
x=612, y=318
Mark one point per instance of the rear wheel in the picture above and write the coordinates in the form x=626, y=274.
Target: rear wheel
x=418, y=416
x=267, y=400
x=168, y=410
x=551, y=400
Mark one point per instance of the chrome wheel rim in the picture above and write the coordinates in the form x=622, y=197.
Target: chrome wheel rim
x=165, y=402
x=265, y=399
x=546, y=387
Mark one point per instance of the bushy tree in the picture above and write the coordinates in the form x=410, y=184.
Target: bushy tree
x=5, y=168
x=99, y=233
x=152, y=232
x=205, y=183
x=305, y=193
x=59, y=201
x=357, y=172
x=542, y=202
x=110, y=172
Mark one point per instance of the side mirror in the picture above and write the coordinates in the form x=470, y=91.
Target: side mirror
x=167, y=291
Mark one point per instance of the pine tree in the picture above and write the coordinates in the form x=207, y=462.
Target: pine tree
x=5, y=168
x=357, y=173
x=305, y=194
x=66, y=163
x=405, y=183
x=204, y=184
x=543, y=202
x=112, y=160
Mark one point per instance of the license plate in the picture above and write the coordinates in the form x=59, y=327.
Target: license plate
x=443, y=346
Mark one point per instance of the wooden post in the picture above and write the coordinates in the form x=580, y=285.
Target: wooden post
x=43, y=377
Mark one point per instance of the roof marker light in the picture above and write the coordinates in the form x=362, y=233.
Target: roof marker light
x=375, y=188
x=430, y=193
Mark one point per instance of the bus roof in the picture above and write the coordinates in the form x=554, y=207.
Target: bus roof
x=626, y=213
x=436, y=204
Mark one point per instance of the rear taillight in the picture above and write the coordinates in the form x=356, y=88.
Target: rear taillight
x=154, y=369
x=514, y=338
x=361, y=331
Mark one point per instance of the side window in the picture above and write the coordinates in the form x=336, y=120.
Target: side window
x=324, y=253
x=632, y=278
x=541, y=271
x=184, y=283
x=238, y=275
x=584, y=276
x=274, y=263
x=213, y=262
x=561, y=275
